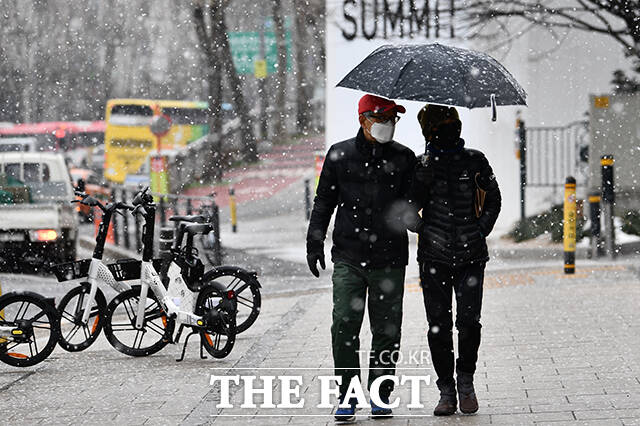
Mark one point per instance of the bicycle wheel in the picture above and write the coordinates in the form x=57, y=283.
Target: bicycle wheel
x=247, y=289
x=74, y=335
x=219, y=334
x=120, y=321
x=38, y=324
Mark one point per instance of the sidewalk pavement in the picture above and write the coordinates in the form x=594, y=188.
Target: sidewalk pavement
x=555, y=348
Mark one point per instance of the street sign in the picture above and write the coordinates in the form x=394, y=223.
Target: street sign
x=160, y=125
x=245, y=49
x=260, y=68
x=159, y=174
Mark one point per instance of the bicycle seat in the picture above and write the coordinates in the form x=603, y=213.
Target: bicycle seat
x=196, y=229
x=193, y=218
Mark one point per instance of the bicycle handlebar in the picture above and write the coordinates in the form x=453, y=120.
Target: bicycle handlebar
x=122, y=205
x=143, y=197
x=88, y=200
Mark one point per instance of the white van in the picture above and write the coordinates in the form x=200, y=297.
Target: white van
x=36, y=216
x=25, y=144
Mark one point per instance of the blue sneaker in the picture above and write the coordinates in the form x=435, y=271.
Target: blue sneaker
x=378, y=412
x=346, y=415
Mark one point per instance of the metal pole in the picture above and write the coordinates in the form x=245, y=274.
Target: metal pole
x=307, y=198
x=594, y=215
x=125, y=222
x=261, y=85
x=163, y=214
x=522, y=137
x=114, y=219
x=174, y=209
x=608, y=199
x=189, y=207
x=215, y=220
x=569, y=225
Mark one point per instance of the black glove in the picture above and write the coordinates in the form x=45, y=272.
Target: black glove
x=315, y=255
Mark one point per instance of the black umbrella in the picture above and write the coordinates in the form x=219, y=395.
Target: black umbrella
x=438, y=74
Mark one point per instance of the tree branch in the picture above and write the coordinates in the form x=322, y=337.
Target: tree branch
x=478, y=13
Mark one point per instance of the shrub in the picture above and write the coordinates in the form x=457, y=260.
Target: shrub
x=547, y=221
x=631, y=222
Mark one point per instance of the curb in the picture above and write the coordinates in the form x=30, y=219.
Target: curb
x=550, y=253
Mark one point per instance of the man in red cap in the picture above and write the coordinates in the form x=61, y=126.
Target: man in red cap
x=368, y=179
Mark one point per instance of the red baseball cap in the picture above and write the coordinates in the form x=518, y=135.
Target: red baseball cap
x=376, y=104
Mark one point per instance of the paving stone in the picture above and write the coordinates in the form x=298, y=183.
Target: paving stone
x=546, y=354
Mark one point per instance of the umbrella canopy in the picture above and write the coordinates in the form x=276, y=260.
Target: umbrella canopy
x=438, y=74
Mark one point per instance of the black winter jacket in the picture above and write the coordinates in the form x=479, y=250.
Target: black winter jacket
x=369, y=183
x=449, y=231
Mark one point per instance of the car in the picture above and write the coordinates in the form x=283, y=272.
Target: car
x=17, y=144
x=36, y=218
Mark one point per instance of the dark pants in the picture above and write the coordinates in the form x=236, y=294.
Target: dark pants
x=385, y=288
x=438, y=281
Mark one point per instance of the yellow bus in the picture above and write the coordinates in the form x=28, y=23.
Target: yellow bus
x=128, y=140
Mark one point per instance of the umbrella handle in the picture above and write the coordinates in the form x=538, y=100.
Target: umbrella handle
x=494, y=110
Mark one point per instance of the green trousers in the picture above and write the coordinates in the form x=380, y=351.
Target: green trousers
x=384, y=288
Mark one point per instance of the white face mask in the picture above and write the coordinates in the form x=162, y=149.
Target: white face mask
x=382, y=132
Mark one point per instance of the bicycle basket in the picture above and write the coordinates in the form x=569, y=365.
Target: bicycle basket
x=71, y=270
x=125, y=269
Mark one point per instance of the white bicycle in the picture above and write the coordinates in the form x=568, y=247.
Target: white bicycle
x=82, y=309
x=139, y=322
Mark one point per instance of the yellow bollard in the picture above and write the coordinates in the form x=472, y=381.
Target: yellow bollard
x=232, y=207
x=2, y=315
x=569, y=228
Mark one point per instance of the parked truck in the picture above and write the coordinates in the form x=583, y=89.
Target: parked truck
x=36, y=218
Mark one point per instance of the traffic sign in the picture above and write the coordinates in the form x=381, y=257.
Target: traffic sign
x=260, y=68
x=245, y=49
x=160, y=125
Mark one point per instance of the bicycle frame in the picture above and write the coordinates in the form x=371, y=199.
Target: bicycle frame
x=98, y=271
x=150, y=279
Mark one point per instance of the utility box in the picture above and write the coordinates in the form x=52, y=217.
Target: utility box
x=615, y=130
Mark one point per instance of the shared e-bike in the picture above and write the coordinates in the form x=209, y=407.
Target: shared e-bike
x=141, y=321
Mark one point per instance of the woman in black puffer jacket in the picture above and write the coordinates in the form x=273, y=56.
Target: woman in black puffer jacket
x=460, y=201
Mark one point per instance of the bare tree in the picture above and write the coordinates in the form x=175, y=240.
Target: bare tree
x=281, y=72
x=617, y=19
x=314, y=15
x=62, y=59
x=302, y=52
x=217, y=40
x=211, y=49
